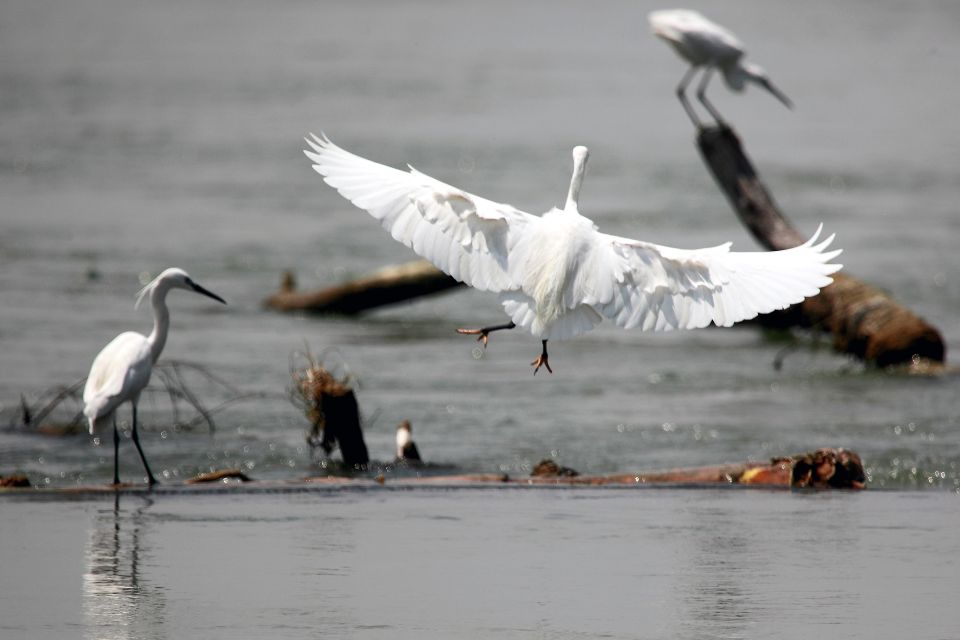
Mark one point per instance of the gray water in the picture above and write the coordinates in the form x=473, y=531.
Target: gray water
x=137, y=136
x=522, y=563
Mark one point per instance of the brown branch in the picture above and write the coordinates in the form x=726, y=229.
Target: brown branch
x=865, y=322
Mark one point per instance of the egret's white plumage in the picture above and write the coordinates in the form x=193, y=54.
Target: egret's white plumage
x=557, y=275
x=705, y=44
x=122, y=368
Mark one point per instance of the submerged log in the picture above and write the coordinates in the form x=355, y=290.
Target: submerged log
x=820, y=469
x=865, y=322
x=387, y=286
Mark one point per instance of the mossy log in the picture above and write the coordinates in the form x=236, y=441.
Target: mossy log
x=865, y=322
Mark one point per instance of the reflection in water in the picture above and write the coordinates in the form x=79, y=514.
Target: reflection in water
x=714, y=586
x=117, y=603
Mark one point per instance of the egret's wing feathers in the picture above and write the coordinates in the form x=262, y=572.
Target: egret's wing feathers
x=661, y=288
x=695, y=37
x=119, y=371
x=464, y=235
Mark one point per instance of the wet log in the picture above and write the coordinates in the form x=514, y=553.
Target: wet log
x=821, y=469
x=864, y=321
x=219, y=476
x=14, y=481
x=387, y=286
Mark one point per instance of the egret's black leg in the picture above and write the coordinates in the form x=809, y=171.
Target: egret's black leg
x=485, y=332
x=116, y=450
x=541, y=360
x=136, y=441
x=682, y=96
x=702, y=95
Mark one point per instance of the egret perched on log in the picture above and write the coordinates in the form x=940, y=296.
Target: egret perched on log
x=122, y=369
x=557, y=275
x=705, y=44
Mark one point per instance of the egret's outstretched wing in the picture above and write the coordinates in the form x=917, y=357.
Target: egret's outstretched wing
x=660, y=288
x=120, y=370
x=464, y=235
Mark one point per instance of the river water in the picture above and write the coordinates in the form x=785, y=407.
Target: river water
x=137, y=136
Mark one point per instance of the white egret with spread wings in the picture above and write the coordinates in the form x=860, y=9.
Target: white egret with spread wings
x=557, y=275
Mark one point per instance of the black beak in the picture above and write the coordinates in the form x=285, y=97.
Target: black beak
x=206, y=292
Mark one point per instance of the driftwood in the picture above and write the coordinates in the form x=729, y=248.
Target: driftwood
x=387, y=286
x=820, y=469
x=865, y=322
x=218, y=476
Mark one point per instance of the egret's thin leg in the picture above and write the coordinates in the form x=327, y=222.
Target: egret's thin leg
x=541, y=360
x=702, y=95
x=116, y=450
x=484, y=333
x=682, y=96
x=136, y=441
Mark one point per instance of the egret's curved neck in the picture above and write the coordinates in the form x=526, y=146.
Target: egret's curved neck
x=161, y=322
x=579, y=168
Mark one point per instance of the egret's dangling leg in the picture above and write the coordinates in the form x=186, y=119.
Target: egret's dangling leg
x=682, y=96
x=484, y=333
x=541, y=360
x=702, y=95
x=116, y=451
x=136, y=441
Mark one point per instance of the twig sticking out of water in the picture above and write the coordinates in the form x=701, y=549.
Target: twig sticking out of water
x=170, y=374
x=330, y=405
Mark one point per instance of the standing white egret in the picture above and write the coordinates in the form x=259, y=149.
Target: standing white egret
x=556, y=274
x=706, y=44
x=122, y=369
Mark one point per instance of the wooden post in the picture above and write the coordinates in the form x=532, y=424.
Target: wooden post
x=865, y=321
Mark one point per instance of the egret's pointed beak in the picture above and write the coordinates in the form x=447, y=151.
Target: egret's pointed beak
x=769, y=86
x=206, y=292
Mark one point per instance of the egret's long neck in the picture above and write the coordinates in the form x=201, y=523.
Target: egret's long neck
x=580, y=156
x=161, y=322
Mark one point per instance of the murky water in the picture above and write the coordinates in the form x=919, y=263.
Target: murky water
x=134, y=137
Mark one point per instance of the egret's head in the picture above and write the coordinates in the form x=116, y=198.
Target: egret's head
x=580, y=155
x=174, y=278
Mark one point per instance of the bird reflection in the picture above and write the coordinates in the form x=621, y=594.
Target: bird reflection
x=117, y=603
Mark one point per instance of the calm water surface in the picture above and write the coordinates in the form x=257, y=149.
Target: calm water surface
x=137, y=136
x=478, y=563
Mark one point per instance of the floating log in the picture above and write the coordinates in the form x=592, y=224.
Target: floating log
x=387, y=286
x=865, y=322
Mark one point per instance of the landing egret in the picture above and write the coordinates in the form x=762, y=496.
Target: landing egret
x=122, y=369
x=705, y=44
x=556, y=274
